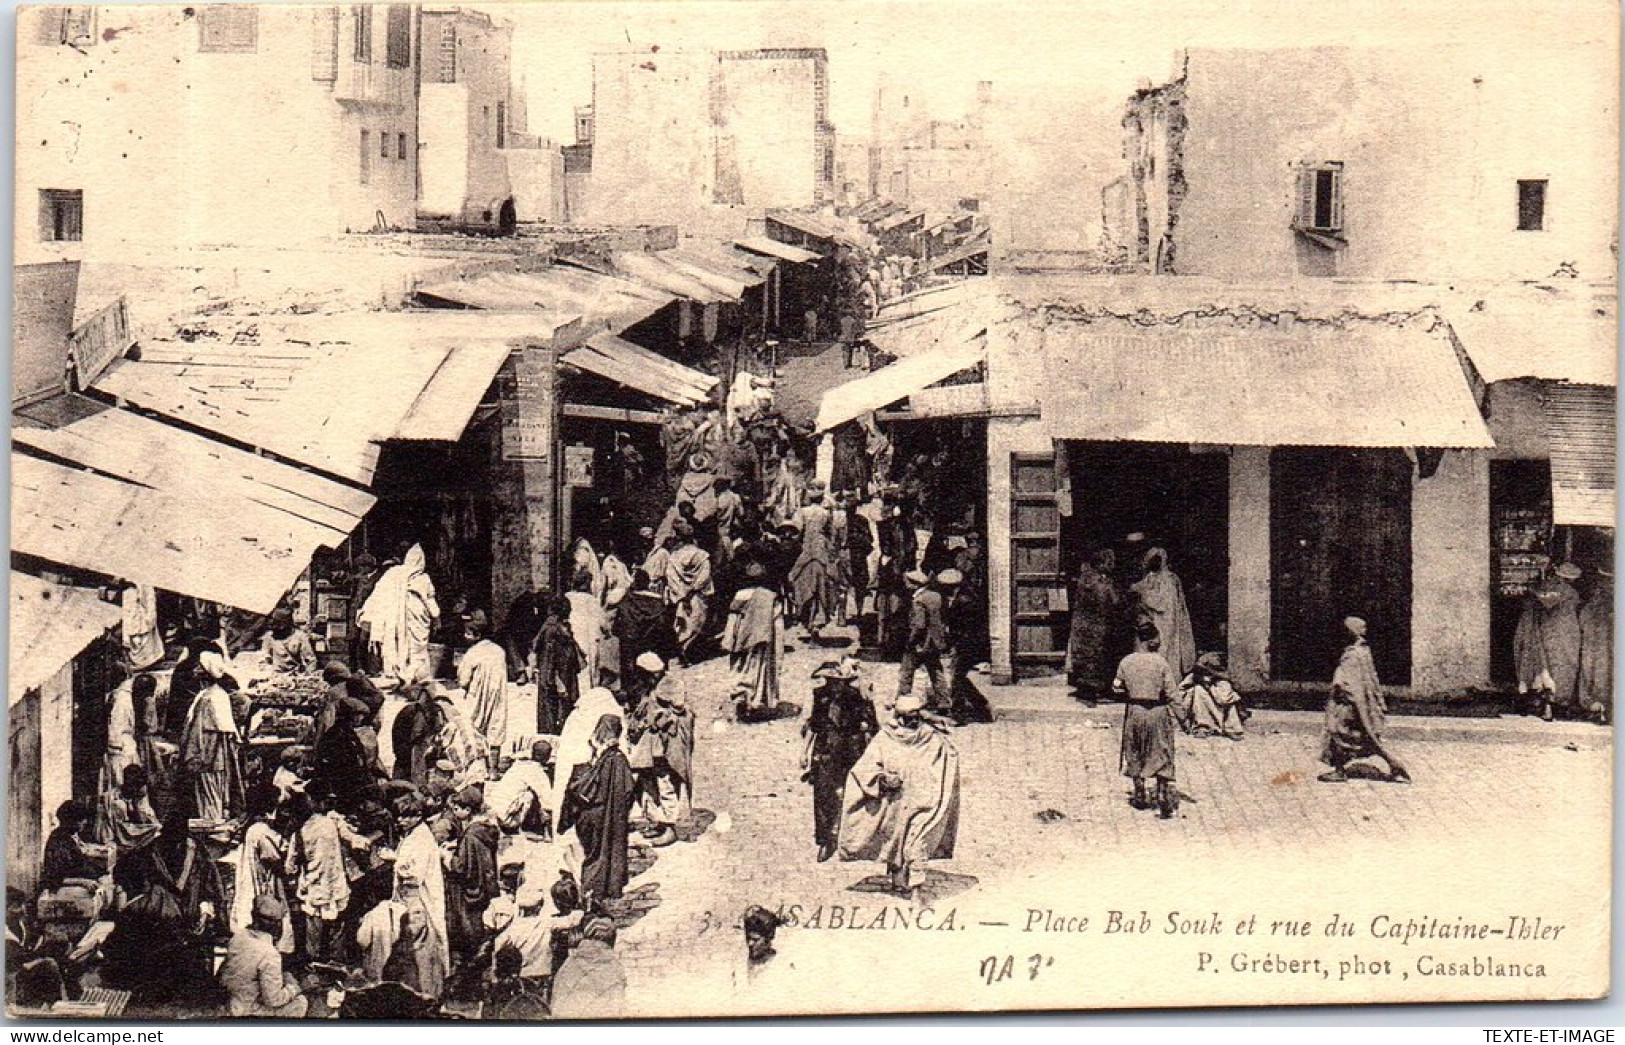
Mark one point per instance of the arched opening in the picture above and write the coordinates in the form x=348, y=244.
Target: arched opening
x=507, y=219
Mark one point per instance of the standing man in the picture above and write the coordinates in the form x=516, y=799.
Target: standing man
x=661, y=731
x=902, y=797
x=899, y=547
x=689, y=589
x=558, y=669
x=483, y=675
x=1148, y=685
x=814, y=574
x=838, y=731
x=928, y=644
x=1356, y=712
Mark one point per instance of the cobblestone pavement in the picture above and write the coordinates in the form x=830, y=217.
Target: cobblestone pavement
x=1048, y=755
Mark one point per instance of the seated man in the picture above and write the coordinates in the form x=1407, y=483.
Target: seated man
x=1208, y=705
x=519, y=798
x=252, y=972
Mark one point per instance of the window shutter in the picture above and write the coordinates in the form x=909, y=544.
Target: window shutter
x=1306, y=199
x=1337, y=201
x=324, y=45
x=399, y=42
x=363, y=33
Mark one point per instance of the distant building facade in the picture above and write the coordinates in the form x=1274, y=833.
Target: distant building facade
x=675, y=133
x=1372, y=164
x=467, y=119
x=215, y=123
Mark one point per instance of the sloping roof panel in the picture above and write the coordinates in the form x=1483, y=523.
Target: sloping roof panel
x=446, y=404
x=656, y=272
x=774, y=249
x=887, y=385
x=246, y=556
x=1509, y=338
x=1373, y=385
x=49, y=625
x=638, y=368
x=171, y=459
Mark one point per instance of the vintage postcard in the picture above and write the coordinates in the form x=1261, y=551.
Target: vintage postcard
x=691, y=509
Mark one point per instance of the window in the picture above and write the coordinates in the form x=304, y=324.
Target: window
x=502, y=125
x=1532, y=205
x=398, y=42
x=74, y=26
x=400, y=146
x=1320, y=199
x=366, y=157
x=61, y=215
x=228, y=28
x=383, y=145
x=363, y=33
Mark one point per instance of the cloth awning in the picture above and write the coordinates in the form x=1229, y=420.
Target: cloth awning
x=175, y=461
x=50, y=624
x=638, y=368
x=900, y=380
x=1375, y=385
x=243, y=554
x=774, y=249
x=1580, y=428
x=602, y=302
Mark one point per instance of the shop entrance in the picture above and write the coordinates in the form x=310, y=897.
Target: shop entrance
x=1340, y=545
x=1179, y=500
x=1520, y=528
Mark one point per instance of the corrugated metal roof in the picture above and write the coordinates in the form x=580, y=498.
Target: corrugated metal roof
x=243, y=555
x=1580, y=427
x=49, y=625
x=1371, y=384
x=774, y=249
x=638, y=368
x=176, y=461
x=900, y=380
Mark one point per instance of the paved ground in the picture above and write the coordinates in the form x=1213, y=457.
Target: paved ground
x=1041, y=786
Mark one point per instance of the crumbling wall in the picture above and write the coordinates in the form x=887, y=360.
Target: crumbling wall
x=1154, y=127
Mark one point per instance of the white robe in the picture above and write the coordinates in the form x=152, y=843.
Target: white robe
x=419, y=859
x=399, y=616
x=483, y=674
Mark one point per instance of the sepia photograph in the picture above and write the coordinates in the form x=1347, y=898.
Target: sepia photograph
x=704, y=509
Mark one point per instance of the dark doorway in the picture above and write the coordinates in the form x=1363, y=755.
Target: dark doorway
x=1340, y=545
x=507, y=219
x=1179, y=501
x=1520, y=536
